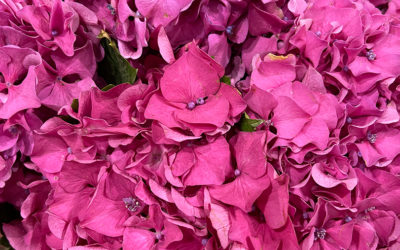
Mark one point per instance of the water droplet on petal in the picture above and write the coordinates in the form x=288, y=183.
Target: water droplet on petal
x=54, y=33
x=349, y=120
x=204, y=241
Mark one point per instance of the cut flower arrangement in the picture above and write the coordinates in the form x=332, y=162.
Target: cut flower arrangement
x=200, y=124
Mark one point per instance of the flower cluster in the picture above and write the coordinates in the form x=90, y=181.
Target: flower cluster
x=200, y=124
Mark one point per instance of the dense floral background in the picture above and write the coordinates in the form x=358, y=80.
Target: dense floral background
x=200, y=124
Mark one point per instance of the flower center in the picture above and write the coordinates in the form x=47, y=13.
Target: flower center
x=229, y=29
x=13, y=130
x=369, y=209
x=131, y=204
x=159, y=235
x=112, y=10
x=347, y=219
x=200, y=101
x=370, y=55
x=191, y=105
x=237, y=172
x=371, y=137
x=319, y=234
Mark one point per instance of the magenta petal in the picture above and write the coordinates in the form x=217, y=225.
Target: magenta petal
x=219, y=218
x=184, y=161
x=135, y=238
x=315, y=132
x=275, y=202
x=328, y=181
x=165, y=46
x=204, y=114
x=160, y=192
x=386, y=143
x=314, y=81
x=305, y=98
x=219, y=49
x=66, y=42
x=250, y=152
x=105, y=216
x=183, y=205
x=213, y=164
x=369, y=153
x=297, y=7
x=260, y=101
x=342, y=234
x=15, y=233
x=21, y=97
x=259, y=45
x=157, y=103
x=49, y=153
x=194, y=75
x=261, y=21
x=274, y=71
x=7, y=140
x=57, y=18
x=289, y=118
x=161, y=12
x=62, y=94
x=242, y=192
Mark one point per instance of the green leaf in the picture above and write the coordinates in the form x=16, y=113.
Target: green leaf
x=108, y=87
x=4, y=244
x=114, y=68
x=226, y=80
x=249, y=125
x=75, y=105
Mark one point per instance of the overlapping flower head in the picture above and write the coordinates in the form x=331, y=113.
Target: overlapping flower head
x=199, y=124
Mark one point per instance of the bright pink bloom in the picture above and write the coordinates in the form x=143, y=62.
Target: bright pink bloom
x=206, y=164
x=250, y=178
x=192, y=96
